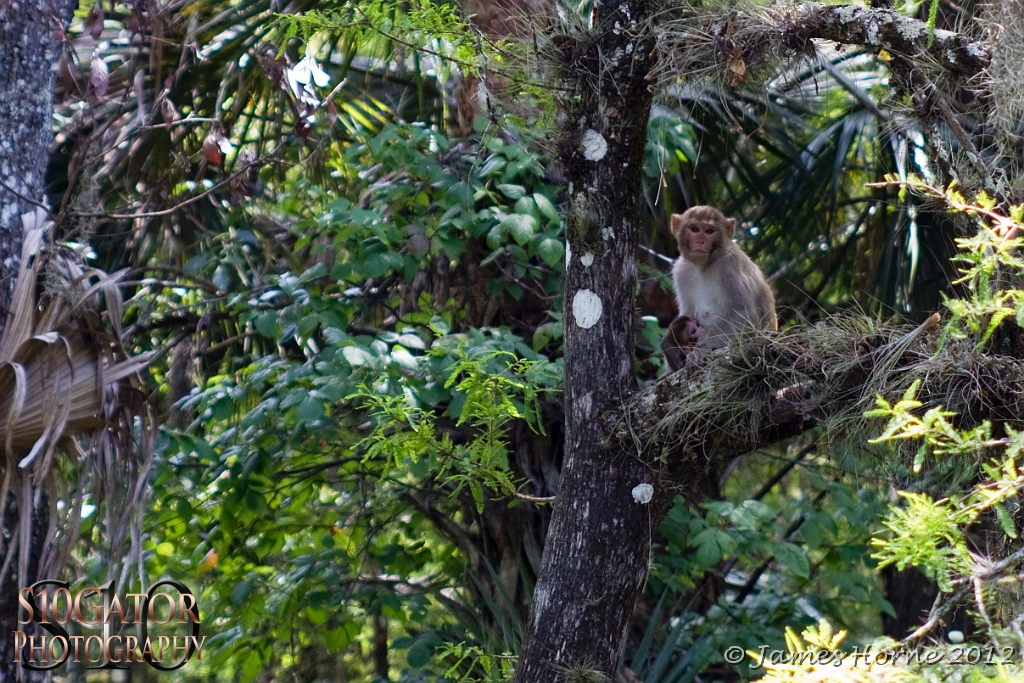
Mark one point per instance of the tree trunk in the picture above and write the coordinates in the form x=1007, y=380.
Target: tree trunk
x=596, y=553
x=596, y=556
x=31, y=36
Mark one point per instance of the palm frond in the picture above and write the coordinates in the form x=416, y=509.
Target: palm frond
x=62, y=375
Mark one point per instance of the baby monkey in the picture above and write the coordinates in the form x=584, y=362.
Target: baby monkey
x=683, y=333
x=719, y=290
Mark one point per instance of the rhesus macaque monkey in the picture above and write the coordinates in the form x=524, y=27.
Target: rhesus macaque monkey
x=683, y=333
x=717, y=286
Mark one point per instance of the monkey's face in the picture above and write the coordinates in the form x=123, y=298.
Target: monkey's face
x=685, y=330
x=701, y=232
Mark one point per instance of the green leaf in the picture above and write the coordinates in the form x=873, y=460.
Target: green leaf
x=241, y=592
x=512, y=191
x=881, y=603
x=404, y=359
x=223, y=408
x=356, y=356
x=493, y=256
x=411, y=341
x=251, y=666
x=492, y=166
x=222, y=278
x=310, y=410
x=551, y=251
x=521, y=226
x=495, y=236
x=317, y=271
x=517, y=253
x=525, y=205
x=308, y=324
x=439, y=326
x=1005, y=521
x=922, y=451
x=335, y=336
x=792, y=558
x=419, y=655
x=542, y=336
x=374, y=266
x=547, y=209
x=337, y=638
x=477, y=492
x=195, y=265
x=708, y=554
x=712, y=544
x=256, y=502
x=461, y=193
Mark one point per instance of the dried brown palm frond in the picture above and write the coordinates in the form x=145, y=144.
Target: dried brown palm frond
x=65, y=385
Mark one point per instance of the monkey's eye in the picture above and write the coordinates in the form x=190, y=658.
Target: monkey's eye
x=694, y=229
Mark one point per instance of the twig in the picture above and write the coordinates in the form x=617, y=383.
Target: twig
x=26, y=199
x=330, y=95
x=939, y=609
x=748, y=587
x=168, y=283
x=320, y=466
x=180, y=122
x=1003, y=223
x=228, y=342
x=657, y=254
x=784, y=470
x=979, y=600
x=961, y=136
x=534, y=499
x=190, y=200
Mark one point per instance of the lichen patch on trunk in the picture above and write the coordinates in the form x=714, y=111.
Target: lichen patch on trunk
x=586, y=308
x=594, y=146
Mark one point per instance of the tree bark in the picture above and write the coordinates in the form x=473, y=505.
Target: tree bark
x=670, y=436
x=28, y=52
x=31, y=36
x=595, y=557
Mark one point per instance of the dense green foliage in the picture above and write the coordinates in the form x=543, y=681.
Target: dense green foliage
x=315, y=445
x=363, y=428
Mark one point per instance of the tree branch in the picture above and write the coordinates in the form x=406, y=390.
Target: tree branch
x=740, y=41
x=887, y=29
x=775, y=386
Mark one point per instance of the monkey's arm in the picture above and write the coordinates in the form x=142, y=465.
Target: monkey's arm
x=765, y=309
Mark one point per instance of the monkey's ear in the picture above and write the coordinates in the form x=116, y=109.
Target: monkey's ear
x=677, y=223
x=730, y=227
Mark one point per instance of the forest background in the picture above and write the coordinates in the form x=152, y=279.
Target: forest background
x=336, y=237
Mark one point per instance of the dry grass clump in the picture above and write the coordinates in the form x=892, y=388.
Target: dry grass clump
x=726, y=43
x=828, y=374
x=1001, y=85
x=1003, y=79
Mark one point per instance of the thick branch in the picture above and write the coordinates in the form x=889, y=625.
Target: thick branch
x=887, y=29
x=738, y=42
x=774, y=387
